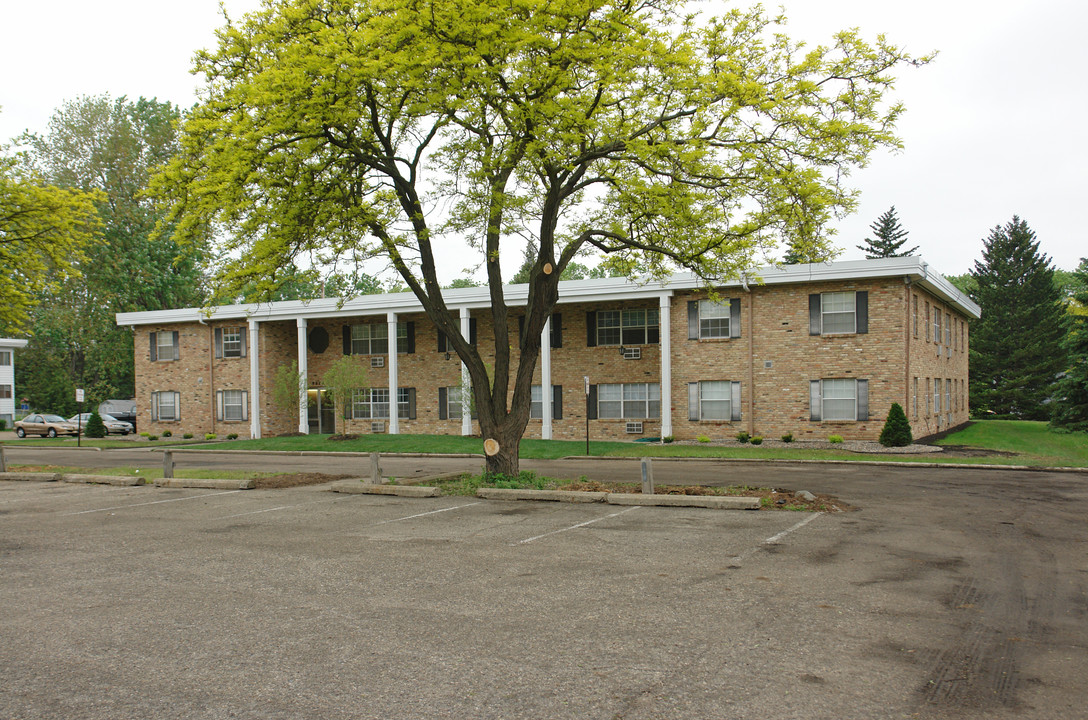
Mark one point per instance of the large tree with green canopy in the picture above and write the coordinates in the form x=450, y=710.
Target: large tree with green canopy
x=402, y=129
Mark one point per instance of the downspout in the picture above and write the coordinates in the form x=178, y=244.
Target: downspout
x=909, y=326
x=751, y=357
x=211, y=369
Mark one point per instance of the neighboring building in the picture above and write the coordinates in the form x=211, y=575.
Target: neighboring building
x=8, y=346
x=812, y=350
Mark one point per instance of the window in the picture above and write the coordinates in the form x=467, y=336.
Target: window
x=5, y=357
x=837, y=313
x=164, y=346
x=936, y=396
x=629, y=400
x=937, y=326
x=5, y=392
x=914, y=315
x=623, y=327
x=927, y=395
x=449, y=404
x=232, y=405
x=373, y=339
x=915, y=403
x=713, y=319
x=948, y=330
x=839, y=399
x=165, y=406
x=714, y=400
x=948, y=396
x=373, y=404
x=927, y=323
x=536, y=402
x=230, y=342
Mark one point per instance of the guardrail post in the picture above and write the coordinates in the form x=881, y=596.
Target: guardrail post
x=647, y=477
x=167, y=464
x=375, y=470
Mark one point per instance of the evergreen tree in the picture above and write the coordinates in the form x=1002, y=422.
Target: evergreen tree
x=1070, y=408
x=896, y=432
x=889, y=240
x=1016, y=352
x=95, y=427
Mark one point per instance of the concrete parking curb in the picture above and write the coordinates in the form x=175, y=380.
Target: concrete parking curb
x=571, y=496
x=878, y=463
x=206, y=483
x=357, y=487
x=118, y=480
x=716, y=502
x=30, y=476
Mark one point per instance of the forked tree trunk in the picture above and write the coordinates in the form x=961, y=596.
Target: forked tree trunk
x=505, y=461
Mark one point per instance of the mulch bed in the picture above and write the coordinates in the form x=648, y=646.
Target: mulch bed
x=275, y=482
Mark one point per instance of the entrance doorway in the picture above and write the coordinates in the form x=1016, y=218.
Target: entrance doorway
x=320, y=411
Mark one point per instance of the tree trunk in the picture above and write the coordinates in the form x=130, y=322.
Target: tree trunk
x=505, y=461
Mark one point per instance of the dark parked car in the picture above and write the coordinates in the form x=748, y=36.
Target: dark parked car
x=45, y=425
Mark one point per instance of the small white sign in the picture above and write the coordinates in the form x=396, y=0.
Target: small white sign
x=79, y=394
x=586, y=378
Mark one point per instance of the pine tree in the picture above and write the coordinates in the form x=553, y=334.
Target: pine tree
x=95, y=427
x=896, y=432
x=1016, y=352
x=889, y=240
x=1070, y=409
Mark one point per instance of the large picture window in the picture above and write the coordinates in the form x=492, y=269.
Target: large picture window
x=629, y=401
x=626, y=327
x=373, y=338
x=373, y=403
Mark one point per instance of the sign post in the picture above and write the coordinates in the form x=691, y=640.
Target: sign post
x=79, y=418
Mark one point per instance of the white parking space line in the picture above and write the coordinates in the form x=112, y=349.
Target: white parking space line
x=774, y=538
x=67, y=493
x=274, y=509
x=154, y=502
x=432, y=512
x=575, y=527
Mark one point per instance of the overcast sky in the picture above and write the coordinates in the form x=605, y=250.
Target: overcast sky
x=994, y=126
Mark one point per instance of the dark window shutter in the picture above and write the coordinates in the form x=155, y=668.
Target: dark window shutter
x=591, y=328
x=693, y=321
x=243, y=332
x=411, y=403
x=154, y=349
x=219, y=342
x=245, y=405
x=863, y=399
x=815, y=400
x=411, y=341
x=734, y=401
x=347, y=339
x=443, y=410
x=734, y=318
x=861, y=308
x=557, y=330
x=557, y=402
x=693, y=401
x=592, y=409
x=815, y=321
x=472, y=331
x=177, y=346
x=441, y=341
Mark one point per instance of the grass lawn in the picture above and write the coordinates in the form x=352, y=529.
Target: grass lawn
x=1032, y=442
x=104, y=443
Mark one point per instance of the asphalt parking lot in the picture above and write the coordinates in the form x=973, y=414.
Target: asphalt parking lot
x=947, y=595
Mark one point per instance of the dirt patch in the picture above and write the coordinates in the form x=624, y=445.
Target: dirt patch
x=968, y=451
x=771, y=499
x=275, y=482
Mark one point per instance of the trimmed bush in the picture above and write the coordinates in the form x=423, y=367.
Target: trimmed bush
x=209, y=436
x=787, y=438
x=743, y=437
x=232, y=436
x=835, y=439
x=667, y=439
x=757, y=440
x=703, y=439
x=95, y=428
x=167, y=433
x=188, y=436
x=152, y=437
x=3, y=424
x=896, y=432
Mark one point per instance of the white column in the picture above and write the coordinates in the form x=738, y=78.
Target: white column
x=466, y=396
x=665, y=319
x=304, y=377
x=546, y=380
x=391, y=364
x=254, y=381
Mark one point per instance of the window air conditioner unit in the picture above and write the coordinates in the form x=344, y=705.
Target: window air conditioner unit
x=377, y=427
x=377, y=361
x=634, y=428
x=632, y=353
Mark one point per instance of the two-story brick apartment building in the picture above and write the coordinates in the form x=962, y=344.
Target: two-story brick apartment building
x=812, y=350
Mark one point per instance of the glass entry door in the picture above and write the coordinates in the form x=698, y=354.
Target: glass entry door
x=320, y=411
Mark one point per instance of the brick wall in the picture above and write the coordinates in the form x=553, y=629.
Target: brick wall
x=930, y=360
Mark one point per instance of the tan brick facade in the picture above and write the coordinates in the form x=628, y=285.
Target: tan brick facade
x=770, y=364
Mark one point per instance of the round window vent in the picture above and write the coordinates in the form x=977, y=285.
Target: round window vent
x=319, y=340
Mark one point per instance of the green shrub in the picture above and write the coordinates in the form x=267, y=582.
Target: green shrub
x=3, y=424
x=167, y=433
x=757, y=440
x=787, y=438
x=209, y=436
x=232, y=436
x=667, y=439
x=95, y=428
x=188, y=436
x=743, y=437
x=834, y=439
x=703, y=439
x=896, y=432
x=145, y=434
x=152, y=437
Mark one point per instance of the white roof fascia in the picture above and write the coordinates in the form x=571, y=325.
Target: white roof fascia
x=570, y=292
x=12, y=343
